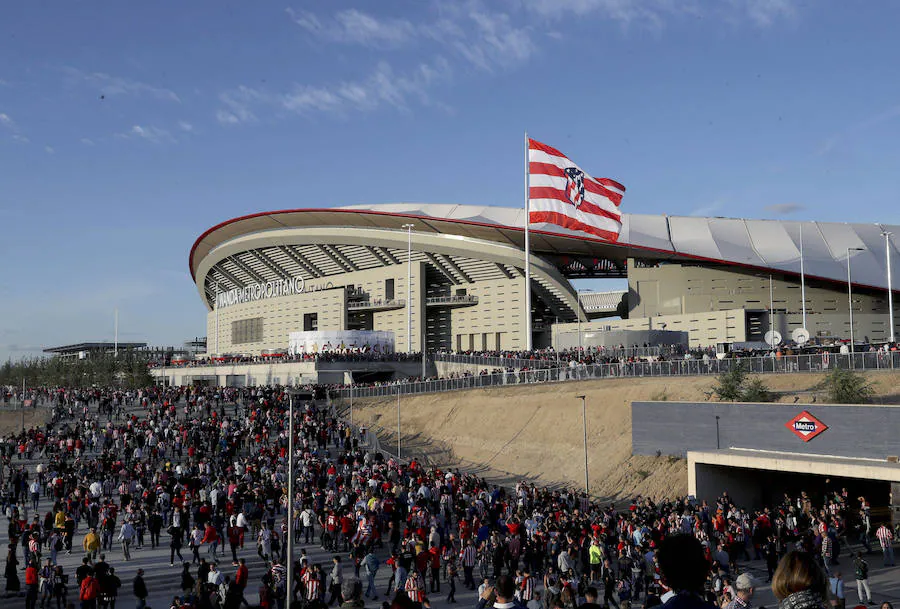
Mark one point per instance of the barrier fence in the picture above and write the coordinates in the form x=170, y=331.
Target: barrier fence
x=818, y=362
x=518, y=362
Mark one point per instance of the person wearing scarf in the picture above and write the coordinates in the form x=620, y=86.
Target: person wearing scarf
x=800, y=583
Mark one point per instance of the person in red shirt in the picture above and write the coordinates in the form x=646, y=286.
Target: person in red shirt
x=348, y=525
x=211, y=536
x=435, y=566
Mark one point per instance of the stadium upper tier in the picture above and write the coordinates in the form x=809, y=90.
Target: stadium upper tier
x=768, y=245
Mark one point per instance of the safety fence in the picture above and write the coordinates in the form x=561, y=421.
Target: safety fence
x=550, y=361
x=818, y=362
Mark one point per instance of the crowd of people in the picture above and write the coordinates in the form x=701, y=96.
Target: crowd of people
x=203, y=473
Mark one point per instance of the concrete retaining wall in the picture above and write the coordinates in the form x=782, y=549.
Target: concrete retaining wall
x=674, y=428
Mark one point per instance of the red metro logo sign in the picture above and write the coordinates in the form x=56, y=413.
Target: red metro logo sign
x=805, y=426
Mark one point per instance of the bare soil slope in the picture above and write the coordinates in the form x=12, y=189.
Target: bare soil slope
x=11, y=420
x=535, y=432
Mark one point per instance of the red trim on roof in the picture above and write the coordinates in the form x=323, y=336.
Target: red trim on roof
x=503, y=226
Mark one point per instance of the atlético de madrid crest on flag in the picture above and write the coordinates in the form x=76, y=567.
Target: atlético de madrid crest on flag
x=575, y=186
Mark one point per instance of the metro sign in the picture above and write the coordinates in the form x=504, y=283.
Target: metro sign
x=805, y=426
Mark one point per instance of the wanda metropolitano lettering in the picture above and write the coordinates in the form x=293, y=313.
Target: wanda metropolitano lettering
x=261, y=291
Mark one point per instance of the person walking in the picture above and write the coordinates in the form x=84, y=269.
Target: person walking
x=886, y=539
x=91, y=544
x=140, y=590
x=126, y=536
x=175, y=543
x=838, y=599
x=467, y=557
x=861, y=571
x=371, y=563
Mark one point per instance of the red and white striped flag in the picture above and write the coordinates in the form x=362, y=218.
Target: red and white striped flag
x=561, y=193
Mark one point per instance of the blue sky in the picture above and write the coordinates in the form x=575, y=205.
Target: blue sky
x=127, y=129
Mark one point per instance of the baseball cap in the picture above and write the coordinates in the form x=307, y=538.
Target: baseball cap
x=745, y=581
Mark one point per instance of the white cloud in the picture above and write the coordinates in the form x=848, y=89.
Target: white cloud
x=496, y=41
x=87, y=141
x=384, y=87
x=766, y=12
x=185, y=126
x=476, y=32
x=655, y=13
x=49, y=149
x=237, y=105
x=841, y=137
x=21, y=138
x=7, y=121
x=708, y=210
x=353, y=26
x=783, y=209
x=109, y=85
x=149, y=133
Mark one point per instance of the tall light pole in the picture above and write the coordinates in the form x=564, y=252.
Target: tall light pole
x=290, y=500
x=850, y=297
x=408, y=228
x=583, y=399
x=887, y=255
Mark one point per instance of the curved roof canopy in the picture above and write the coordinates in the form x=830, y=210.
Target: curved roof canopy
x=769, y=245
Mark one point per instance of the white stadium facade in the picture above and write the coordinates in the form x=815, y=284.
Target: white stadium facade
x=267, y=275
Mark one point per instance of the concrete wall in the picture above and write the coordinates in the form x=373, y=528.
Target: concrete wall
x=673, y=289
x=565, y=336
x=500, y=310
x=288, y=373
x=703, y=329
x=674, y=428
x=283, y=315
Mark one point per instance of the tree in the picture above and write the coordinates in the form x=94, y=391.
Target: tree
x=729, y=384
x=735, y=385
x=756, y=391
x=847, y=387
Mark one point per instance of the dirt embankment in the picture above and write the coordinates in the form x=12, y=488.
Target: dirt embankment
x=11, y=420
x=535, y=432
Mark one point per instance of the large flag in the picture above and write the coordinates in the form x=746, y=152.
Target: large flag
x=561, y=193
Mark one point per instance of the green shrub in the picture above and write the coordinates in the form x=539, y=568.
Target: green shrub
x=736, y=385
x=847, y=387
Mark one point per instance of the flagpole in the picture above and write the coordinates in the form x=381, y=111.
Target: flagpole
x=527, y=256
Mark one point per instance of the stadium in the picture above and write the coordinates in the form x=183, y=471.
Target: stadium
x=718, y=280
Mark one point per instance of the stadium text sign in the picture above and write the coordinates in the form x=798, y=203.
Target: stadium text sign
x=261, y=291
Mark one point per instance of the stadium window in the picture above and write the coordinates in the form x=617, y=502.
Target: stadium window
x=388, y=289
x=310, y=322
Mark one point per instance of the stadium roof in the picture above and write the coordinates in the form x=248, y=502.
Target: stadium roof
x=767, y=245
x=98, y=346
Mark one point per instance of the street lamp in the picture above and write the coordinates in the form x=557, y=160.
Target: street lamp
x=408, y=228
x=887, y=255
x=583, y=399
x=850, y=297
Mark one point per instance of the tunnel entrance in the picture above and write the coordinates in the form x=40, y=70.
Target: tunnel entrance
x=755, y=480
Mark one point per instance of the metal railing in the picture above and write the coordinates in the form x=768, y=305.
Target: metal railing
x=548, y=362
x=685, y=367
x=461, y=299
x=376, y=304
